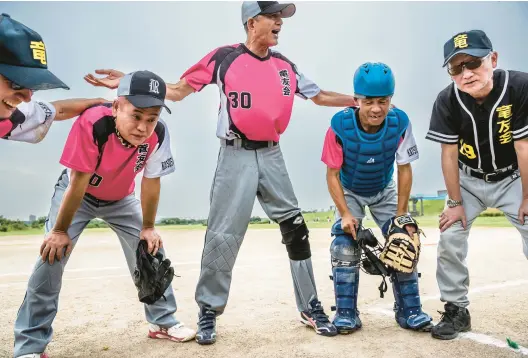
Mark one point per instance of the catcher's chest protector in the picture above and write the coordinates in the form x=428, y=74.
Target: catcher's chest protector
x=368, y=157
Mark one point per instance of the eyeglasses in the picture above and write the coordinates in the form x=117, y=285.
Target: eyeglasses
x=470, y=65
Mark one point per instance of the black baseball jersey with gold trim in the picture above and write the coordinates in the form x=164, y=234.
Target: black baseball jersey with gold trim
x=484, y=132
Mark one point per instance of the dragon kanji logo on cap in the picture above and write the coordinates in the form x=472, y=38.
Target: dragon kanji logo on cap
x=39, y=51
x=460, y=41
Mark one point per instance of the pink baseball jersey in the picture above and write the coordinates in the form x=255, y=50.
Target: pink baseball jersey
x=29, y=122
x=92, y=146
x=256, y=94
x=333, y=151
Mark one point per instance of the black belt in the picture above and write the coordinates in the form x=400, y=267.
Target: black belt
x=97, y=202
x=252, y=144
x=489, y=177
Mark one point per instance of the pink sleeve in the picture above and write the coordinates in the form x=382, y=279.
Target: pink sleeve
x=5, y=126
x=332, y=151
x=80, y=152
x=204, y=72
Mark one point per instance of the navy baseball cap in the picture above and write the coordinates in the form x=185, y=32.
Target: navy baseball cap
x=474, y=43
x=143, y=89
x=23, y=58
x=254, y=8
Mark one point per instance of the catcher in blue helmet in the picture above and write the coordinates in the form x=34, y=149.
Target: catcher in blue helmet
x=360, y=149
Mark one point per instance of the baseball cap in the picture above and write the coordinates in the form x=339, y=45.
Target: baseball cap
x=23, y=57
x=474, y=43
x=143, y=89
x=254, y=8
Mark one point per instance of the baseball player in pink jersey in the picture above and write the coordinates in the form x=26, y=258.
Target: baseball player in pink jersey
x=257, y=88
x=108, y=146
x=23, y=70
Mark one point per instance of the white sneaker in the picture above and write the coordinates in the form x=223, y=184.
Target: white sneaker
x=176, y=333
x=34, y=355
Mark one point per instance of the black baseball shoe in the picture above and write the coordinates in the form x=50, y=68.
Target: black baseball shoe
x=206, y=327
x=316, y=318
x=453, y=321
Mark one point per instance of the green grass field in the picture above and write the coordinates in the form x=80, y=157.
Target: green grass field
x=432, y=208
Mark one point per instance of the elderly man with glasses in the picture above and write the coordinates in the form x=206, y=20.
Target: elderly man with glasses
x=481, y=121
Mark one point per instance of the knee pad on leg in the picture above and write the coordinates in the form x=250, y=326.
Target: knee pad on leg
x=344, y=250
x=295, y=237
x=407, y=305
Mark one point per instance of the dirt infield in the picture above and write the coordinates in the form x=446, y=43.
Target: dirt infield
x=100, y=316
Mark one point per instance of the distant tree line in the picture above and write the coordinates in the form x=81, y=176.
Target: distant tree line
x=180, y=221
x=7, y=225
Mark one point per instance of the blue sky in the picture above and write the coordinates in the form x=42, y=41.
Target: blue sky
x=326, y=40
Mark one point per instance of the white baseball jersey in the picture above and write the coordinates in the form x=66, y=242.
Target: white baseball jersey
x=29, y=123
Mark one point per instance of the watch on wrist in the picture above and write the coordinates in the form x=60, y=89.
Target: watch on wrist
x=452, y=203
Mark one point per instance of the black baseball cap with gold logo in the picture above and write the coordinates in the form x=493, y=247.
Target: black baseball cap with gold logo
x=474, y=43
x=23, y=58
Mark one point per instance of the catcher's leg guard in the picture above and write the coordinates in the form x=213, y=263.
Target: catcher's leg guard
x=346, y=283
x=345, y=254
x=407, y=306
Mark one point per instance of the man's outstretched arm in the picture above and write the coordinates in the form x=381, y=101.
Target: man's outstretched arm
x=69, y=108
x=175, y=92
x=333, y=99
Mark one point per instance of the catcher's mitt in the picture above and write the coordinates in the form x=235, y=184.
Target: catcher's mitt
x=152, y=274
x=401, y=251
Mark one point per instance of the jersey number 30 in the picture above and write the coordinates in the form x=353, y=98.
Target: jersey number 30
x=242, y=100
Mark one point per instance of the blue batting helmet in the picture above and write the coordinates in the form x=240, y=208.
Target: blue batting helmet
x=374, y=80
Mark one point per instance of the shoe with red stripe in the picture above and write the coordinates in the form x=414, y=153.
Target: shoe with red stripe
x=316, y=318
x=176, y=333
x=34, y=355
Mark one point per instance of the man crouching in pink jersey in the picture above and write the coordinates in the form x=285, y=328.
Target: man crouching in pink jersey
x=107, y=147
x=257, y=88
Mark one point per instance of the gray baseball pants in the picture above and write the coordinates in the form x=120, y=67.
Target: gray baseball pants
x=33, y=325
x=241, y=175
x=382, y=206
x=452, y=272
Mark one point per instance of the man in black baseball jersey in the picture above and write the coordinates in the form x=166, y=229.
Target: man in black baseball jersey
x=481, y=120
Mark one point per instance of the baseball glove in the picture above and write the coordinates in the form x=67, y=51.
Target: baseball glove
x=401, y=251
x=152, y=274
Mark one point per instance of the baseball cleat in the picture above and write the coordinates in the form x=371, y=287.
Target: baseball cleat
x=454, y=320
x=316, y=318
x=176, y=333
x=206, y=327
